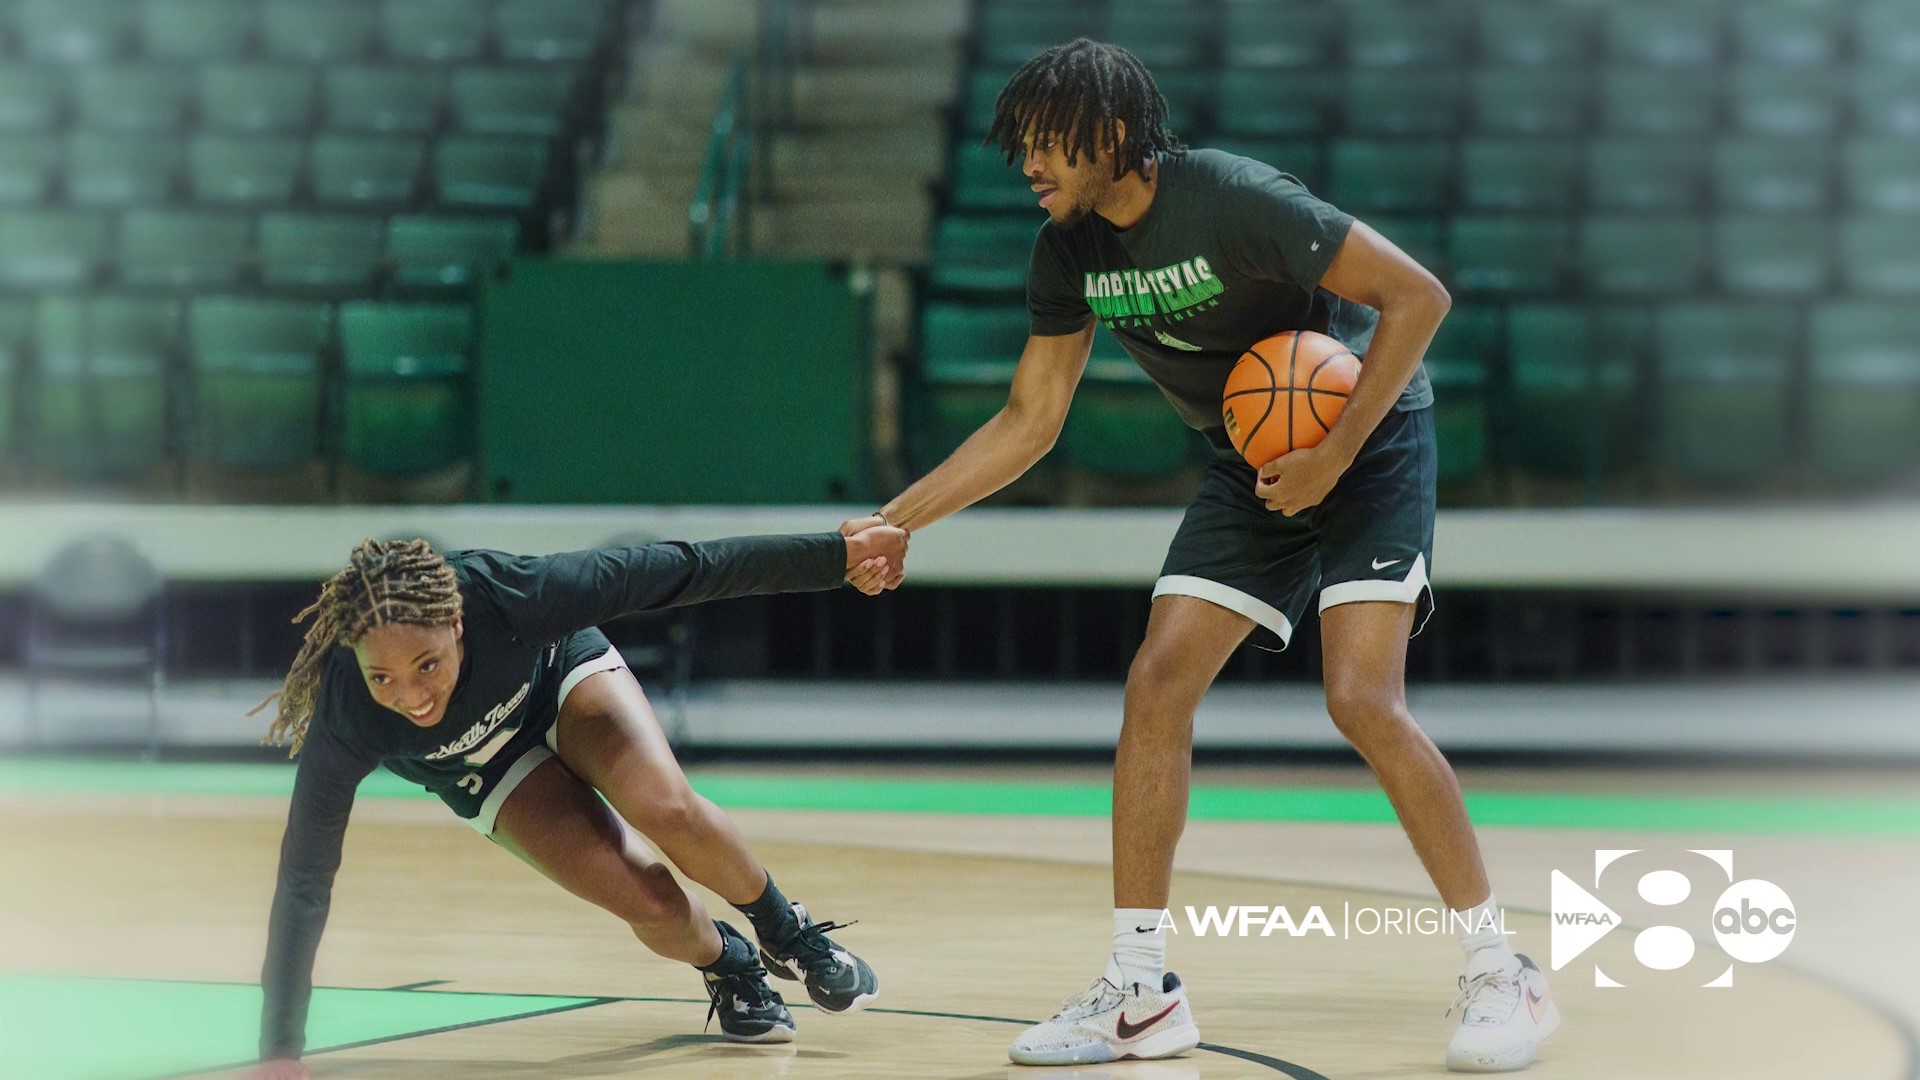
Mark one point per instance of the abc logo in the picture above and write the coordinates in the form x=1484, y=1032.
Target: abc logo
x=1754, y=920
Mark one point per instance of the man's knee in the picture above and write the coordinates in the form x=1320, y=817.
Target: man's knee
x=1368, y=716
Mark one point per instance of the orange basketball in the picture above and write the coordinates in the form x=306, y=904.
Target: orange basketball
x=1286, y=392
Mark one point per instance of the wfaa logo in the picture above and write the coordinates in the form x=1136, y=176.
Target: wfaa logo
x=1752, y=921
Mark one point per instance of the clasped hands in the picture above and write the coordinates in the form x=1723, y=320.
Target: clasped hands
x=876, y=554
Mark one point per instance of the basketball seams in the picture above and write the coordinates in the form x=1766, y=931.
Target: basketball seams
x=1315, y=374
x=1271, y=392
x=1292, y=387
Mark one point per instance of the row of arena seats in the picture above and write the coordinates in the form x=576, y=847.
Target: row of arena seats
x=1756, y=99
x=378, y=171
x=109, y=386
x=1603, y=254
x=1396, y=33
x=249, y=98
x=1737, y=173
x=291, y=252
x=434, y=31
x=1710, y=393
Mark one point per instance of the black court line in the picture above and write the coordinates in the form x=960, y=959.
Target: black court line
x=419, y=985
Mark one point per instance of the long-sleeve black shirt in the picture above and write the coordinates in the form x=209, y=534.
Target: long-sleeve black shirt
x=516, y=608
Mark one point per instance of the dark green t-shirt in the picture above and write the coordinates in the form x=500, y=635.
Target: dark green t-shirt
x=1231, y=251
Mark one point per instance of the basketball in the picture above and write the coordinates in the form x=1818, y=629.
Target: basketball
x=1286, y=392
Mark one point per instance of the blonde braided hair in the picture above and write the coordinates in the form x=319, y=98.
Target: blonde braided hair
x=385, y=582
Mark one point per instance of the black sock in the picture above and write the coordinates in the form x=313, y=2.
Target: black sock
x=736, y=952
x=772, y=917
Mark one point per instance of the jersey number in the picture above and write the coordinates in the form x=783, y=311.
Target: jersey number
x=473, y=782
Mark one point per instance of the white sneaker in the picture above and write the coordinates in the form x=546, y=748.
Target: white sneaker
x=1505, y=1014
x=1106, y=1023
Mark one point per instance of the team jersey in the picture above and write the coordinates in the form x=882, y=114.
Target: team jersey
x=516, y=610
x=1230, y=251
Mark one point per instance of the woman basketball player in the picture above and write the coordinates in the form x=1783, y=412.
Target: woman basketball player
x=482, y=677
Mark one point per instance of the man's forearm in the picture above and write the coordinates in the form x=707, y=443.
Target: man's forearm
x=1400, y=340
x=1002, y=450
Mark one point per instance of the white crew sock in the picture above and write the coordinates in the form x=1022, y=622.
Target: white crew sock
x=1139, y=947
x=1481, y=939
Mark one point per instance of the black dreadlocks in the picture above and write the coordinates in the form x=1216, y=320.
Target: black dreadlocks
x=1077, y=91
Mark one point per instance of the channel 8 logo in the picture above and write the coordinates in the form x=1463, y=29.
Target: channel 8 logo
x=1751, y=920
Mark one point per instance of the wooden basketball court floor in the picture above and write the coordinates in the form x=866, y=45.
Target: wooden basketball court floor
x=132, y=922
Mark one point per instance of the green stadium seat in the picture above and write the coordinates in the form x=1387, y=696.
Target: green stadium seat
x=384, y=98
x=1768, y=100
x=1119, y=426
x=1533, y=35
x=1165, y=34
x=67, y=31
x=1887, y=32
x=438, y=31
x=12, y=373
x=1257, y=34
x=1014, y=31
x=1392, y=34
x=490, y=173
x=1530, y=101
x=1725, y=370
x=1392, y=101
x=51, y=249
x=438, y=254
x=184, y=249
x=1520, y=174
x=982, y=180
x=1863, y=407
x=983, y=90
x=244, y=170
x=1886, y=101
x=1423, y=238
x=1573, y=377
x=1773, y=175
x=1286, y=101
x=1645, y=174
x=257, y=382
x=1459, y=362
x=1509, y=254
x=256, y=98
x=318, y=33
x=1773, y=254
x=1883, y=174
x=365, y=170
x=969, y=354
x=1189, y=94
x=1643, y=253
x=29, y=161
x=135, y=97
x=33, y=97
x=1881, y=255
x=1301, y=158
x=1647, y=102
x=550, y=30
x=100, y=403
x=513, y=100
x=123, y=169
x=983, y=254
x=1391, y=176
x=334, y=254
x=196, y=30
x=406, y=393
x=1786, y=34
x=1662, y=34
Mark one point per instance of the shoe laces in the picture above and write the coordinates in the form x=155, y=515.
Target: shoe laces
x=1099, y=996
x=809, y=944
x=747, y=984
x=1487, y=998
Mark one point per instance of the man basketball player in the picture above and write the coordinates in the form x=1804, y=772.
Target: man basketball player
x=1189, y=258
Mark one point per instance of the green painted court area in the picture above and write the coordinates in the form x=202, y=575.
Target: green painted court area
x=1747, y=812
x=54, y=1028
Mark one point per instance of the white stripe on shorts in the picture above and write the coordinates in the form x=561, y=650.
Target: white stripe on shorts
x=1227, y=597
x=483, y=822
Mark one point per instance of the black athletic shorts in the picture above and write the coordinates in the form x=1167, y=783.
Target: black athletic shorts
x=478, y=795
x=1372, y=539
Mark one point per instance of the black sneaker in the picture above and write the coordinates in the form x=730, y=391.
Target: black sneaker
x=749, y=1010
x=837, y=980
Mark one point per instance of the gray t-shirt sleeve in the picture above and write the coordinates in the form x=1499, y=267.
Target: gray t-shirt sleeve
x=1056, y=304
x=1278, y=230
